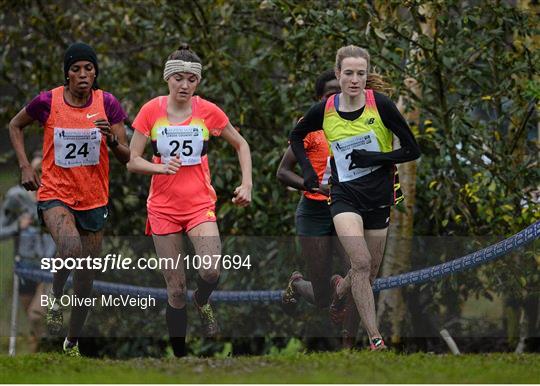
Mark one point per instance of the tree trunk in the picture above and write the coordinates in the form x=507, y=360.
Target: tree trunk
x=392, y=310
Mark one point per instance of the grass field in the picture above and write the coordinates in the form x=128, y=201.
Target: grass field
x=342, y=367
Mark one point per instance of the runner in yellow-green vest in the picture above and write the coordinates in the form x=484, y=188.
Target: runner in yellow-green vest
x=359, y=125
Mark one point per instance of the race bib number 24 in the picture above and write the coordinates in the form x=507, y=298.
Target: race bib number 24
x=76, y=147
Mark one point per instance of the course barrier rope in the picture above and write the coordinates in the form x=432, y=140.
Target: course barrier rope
x=25, y=270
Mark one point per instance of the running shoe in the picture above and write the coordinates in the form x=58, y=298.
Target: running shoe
x=71, y=350
x=289, y=297
x=338, y=305
x=54, y=317
x=209, y=322
x=377, y=344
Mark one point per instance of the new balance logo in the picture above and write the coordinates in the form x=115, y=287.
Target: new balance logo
x=88, y=116
x=371, y=121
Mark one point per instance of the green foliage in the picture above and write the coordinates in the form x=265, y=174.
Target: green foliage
x=475, y=74
x=294, y=347
x=477, y=77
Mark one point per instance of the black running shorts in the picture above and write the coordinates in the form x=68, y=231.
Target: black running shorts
x=373, y=219
x=92, y=220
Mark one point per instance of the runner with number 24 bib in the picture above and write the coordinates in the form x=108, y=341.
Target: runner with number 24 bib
x=80, y=121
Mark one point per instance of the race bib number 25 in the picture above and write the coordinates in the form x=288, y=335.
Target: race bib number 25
x=343, y=149
x=185, y=142
x=76, y=147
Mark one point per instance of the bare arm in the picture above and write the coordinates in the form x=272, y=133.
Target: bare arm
x=285, y=173
x=243, y=192
x=118, y=132
x=288, y=177
x=29, y=178
x=137, y=163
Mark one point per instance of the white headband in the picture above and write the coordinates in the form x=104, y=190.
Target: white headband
x=174, y=66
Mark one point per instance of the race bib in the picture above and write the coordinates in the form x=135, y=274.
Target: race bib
x=76, y=147
x=185, y=141
x=342, y=150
